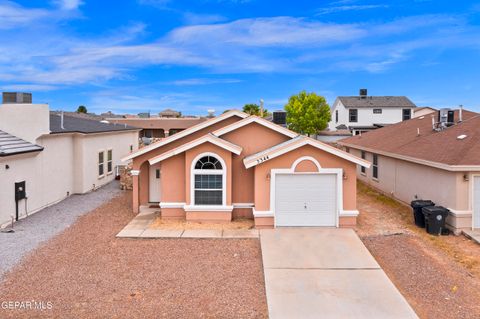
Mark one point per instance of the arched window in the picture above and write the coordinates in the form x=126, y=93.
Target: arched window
x=209, y=180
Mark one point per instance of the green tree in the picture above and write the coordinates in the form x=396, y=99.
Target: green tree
x=82, y=109
x=254, y=109
x=307, y=113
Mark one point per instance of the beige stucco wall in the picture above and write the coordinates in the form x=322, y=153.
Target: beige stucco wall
x=406, y=181
x=87, y=148
x=68, y=164
x=26, y=121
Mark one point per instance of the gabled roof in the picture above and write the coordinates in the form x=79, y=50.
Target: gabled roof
x=295, y=143
x=258, y=120
x=184, y=133
x=12, y=145
x=442, y=149
x=74, y=124
x=376, y=101
x=209, y=138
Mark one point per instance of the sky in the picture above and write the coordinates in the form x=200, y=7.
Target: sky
x=134, y=56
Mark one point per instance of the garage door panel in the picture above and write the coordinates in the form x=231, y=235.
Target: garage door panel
x=305, y=200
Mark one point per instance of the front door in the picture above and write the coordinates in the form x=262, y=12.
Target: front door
x=476, y=202
x=154, y=185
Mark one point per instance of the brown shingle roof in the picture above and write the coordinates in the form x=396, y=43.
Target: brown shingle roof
x=376, y=101
x=442, y=147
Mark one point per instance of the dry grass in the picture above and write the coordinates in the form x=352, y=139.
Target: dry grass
x=241, y=223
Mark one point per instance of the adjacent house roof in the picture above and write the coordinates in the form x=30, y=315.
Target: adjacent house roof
x=12, y=145
x=375, y=101
x=456, y=148
x=295, y=143
x=72, y=124
x=184, y=133
x=210, y=138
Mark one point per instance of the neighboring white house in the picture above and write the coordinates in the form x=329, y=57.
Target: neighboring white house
x=365, y=113
x=422, y=111
x=45, y=157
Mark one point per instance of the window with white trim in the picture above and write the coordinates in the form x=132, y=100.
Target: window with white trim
x=109, y=161
x=101, y=163
x=208, y=181
x=353, y=115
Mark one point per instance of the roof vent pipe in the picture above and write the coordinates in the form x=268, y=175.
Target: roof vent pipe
x=460, y=115
x=61, y=121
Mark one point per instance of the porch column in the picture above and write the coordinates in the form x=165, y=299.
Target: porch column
x=167, y=133
x=136, y=187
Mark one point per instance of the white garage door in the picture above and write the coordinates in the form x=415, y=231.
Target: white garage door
x=305, y=200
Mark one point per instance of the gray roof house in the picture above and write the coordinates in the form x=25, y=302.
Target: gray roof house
x=364, y=113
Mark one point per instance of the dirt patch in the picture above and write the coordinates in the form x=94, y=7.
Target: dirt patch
x=86, y=272
x=160, y=223
x=439, y=275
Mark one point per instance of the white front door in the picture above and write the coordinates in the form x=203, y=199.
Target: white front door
x=476, y=202
x=154, y=184
x=306, y=200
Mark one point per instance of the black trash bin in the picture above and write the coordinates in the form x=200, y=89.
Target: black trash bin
x=417, y=206
x=435, y=217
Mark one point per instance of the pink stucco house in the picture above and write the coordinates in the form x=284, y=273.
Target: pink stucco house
x=237, y=165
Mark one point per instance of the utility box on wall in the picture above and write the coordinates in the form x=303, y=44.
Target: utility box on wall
x=20, y=192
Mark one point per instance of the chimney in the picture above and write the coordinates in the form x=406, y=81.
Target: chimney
x=460, y=115
x=363, y=93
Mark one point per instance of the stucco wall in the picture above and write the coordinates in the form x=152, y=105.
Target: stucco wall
x=406, y=181
x=26, y=121
x=252, y=138
x=90, y=145
x=173, y=179
x=326, y=160
x=68, y=163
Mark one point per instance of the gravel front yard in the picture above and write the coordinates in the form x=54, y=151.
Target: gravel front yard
x=88, y=273
x=45, y=224
x=439, y=276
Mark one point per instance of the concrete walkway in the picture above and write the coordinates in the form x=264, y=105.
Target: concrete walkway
x=139, y=227
x=326, y=273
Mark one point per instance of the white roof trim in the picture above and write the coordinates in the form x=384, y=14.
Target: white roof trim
x=184, y=133
x=258, y=120
x=264, y=156
x=447, y=167
x=204, y=139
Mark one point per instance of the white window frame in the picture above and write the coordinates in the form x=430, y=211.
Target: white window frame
x=222, y=172
x=363, y=169
x=109, y=172
x=98, y=164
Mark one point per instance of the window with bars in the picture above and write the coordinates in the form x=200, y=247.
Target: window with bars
x=208, y=179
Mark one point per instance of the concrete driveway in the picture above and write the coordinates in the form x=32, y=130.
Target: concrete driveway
x=327, y=273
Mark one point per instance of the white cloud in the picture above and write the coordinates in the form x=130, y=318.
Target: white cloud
x=195, y=18
x=13, y=16
x=335, y=9
x=203, y=81
x=27, y=87
x=69, y=4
